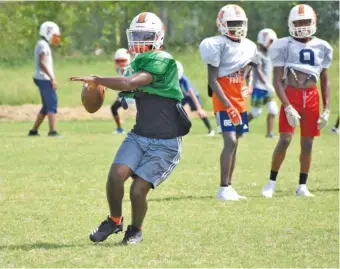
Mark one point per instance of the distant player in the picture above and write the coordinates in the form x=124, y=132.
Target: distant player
x=153, y=148
x=335, y=128
x=44, y=77
x=121, y=59
x=192, y=98
x=301, y=59
x=263, y=91
x=229, y=57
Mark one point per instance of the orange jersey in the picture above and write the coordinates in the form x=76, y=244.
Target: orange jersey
x=232, y=88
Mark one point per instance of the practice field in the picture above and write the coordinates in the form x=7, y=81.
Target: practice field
x=52, y=194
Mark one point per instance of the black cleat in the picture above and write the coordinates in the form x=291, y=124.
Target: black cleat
x=132, y=236
x=106, y=228
x=33, y=133
x=53, y=133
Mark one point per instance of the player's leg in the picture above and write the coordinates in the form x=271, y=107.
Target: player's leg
x=125, y=163
x=204, y=117
x=51, y=100
x=273, y=110
x=256, y=104
x=138, y=192
x=114, y=110
x=240, y=130
x=228, y=131
x=309, y=129
x=305, y=162
x=42, y=113
x=335, y=128
x=286, y=134
x=157, y=163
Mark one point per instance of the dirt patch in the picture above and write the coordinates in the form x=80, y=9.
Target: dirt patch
x=29, y=112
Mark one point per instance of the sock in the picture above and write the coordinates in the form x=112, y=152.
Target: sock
x=117, y=220
x=207, y=123
x=134, y=228
x=303, y=178
x=224, y=185
x=273, y=175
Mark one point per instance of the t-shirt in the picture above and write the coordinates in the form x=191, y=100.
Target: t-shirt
x=267, y=69
x=162, y=66
x=42, y=46
x=309, y=58
x=157, y=113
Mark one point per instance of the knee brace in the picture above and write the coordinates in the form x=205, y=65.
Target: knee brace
x=256, y=111
x=272, y=108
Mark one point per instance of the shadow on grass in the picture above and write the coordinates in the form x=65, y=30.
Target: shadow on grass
x=46, y=245
x=189, y=197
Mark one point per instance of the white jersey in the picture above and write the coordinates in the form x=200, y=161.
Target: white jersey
x=309, y=58
x=43, y=47
x=229, y=56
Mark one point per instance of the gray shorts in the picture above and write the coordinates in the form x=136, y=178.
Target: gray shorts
x=151, y=159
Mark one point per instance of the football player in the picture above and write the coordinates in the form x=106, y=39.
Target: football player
x=228, y=57
x=152, y=149
x=44, y=77
x=301, y=59
x=263, y=91
x=121, y=59
x=192, y=98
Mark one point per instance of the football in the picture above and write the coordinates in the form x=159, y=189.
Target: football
x=92, y=98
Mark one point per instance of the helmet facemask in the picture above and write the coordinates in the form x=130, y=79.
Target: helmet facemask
x=143, y=41
x=302, y=28
x=236, y=29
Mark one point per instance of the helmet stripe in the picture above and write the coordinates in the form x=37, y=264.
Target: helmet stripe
x=142, y=17
x=301, y=9
x=237, y=10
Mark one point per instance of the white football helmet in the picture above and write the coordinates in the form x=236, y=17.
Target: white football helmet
x=298, y=13
x=51, y=32
x=146, y=32
x=122, y=57
x=265, y=36
x=232, y=22
x=180, y=69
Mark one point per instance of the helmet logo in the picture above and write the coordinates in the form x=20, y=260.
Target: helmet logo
x=142, y=17
x=301, y=9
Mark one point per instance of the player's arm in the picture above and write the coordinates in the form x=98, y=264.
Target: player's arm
x=325, y=93
x=42, y=65
x=118, y=83
x=215, y=86
x=194, y=98
x=278, y=85
x=325, y=89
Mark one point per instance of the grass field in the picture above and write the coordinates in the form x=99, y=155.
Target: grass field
x=52, y=194
x=52, y=191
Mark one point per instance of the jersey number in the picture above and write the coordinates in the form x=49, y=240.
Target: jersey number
x=307, y=56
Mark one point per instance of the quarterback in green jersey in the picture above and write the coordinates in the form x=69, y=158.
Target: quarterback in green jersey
x=152, y=149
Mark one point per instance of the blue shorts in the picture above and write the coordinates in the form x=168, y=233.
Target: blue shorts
x=48, y=96
x=224, y=123
x=260, y=97
x=151, y=159
x=188, y=100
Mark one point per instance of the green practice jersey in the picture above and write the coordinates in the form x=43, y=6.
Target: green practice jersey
x=163, y=69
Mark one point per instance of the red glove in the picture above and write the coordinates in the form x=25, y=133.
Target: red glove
x=234, y=115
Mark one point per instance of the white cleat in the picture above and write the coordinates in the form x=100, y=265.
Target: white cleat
x=303, y=191
x=211, y=133
x=269, y=189
x=236, y=194
x=226, y=194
